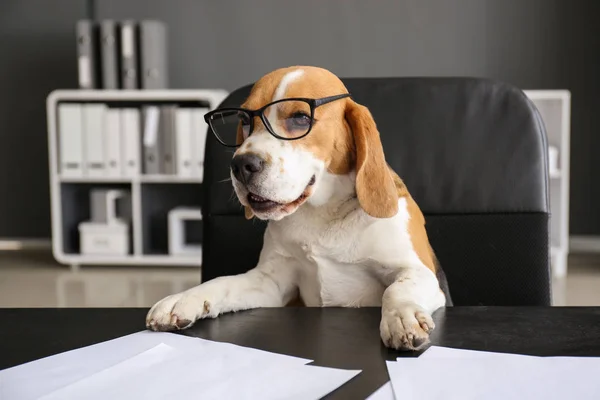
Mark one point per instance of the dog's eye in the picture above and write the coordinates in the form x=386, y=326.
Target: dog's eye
x=298, y=121
x=245, y=121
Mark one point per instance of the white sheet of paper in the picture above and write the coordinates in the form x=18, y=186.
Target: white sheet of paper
x=55, y=372
x=206, y=374
x=297, y=382
x=449, y=352
x=496, y=377
x=98, y=383
x=385, y=392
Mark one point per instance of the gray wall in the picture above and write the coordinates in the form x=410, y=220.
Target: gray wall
x=37, y=55
x=534, y=44
x=232, y=42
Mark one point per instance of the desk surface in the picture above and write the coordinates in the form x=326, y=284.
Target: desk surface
x=342, y=338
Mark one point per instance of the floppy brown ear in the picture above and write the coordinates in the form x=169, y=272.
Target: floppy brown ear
x=375, y=186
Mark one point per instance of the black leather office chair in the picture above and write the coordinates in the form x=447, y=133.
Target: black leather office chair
x=473, y=155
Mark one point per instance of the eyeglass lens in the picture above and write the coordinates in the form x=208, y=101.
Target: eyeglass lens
x=289, y=119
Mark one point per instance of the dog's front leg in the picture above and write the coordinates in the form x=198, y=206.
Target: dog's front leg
x=407, y=306
x=270, y=284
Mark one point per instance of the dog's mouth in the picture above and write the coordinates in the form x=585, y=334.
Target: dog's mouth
x=262, y=204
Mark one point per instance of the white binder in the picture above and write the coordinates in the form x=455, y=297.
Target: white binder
x=183, y=142
x=93, y=129
x=199, y=130
x=70, y=124
x=130, y=134
x=112, y=137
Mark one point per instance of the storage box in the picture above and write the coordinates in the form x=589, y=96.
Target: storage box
x=104, y=239
x=177, y=240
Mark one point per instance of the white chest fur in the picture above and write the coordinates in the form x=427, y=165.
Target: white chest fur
x=341, y=254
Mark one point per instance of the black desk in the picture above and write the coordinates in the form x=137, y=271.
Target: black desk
x=343, y=338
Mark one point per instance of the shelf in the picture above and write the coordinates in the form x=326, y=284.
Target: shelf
x=554, y=250
x=142, y=260
x=87, y=179
x=213, y=96
x=553, y=108
x=151, y=197
x=141, y=178
x=169, y=179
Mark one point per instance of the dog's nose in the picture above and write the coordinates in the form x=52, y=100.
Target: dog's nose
x=246, y=165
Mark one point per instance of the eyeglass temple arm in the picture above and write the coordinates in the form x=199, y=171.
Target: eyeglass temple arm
x=229, y=111
x=325, y=100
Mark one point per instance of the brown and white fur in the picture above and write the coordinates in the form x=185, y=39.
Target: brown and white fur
x=352, y=236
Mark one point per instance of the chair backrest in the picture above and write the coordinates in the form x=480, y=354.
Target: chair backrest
x=473, y=155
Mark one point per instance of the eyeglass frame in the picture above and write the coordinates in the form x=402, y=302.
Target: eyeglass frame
x=313, y=103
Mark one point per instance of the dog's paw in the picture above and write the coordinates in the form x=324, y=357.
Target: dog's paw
x=406, y=327
x=179, y=311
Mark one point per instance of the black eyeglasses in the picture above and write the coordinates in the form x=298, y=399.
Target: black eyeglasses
x=286, y=119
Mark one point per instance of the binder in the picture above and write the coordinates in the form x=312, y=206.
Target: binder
x=183, y=142
x=93, y=131
x=153, y=55
x=167, y=140
x=152, y=154
x=130, y=135
x=109, y=46
x=199, y=130
x=112, y=137
x=70, y=124
x=129, y=55
x=87, y=54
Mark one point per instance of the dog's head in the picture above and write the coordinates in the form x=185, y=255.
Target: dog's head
x=278, y=168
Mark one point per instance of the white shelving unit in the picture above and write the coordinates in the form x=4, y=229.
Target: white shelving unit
x=68, y=193
x=555, y=108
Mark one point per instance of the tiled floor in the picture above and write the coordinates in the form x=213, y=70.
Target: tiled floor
x=582, y=285
x=35, y=280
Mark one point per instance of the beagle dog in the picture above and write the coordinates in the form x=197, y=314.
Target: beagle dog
x=343, y=229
